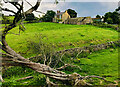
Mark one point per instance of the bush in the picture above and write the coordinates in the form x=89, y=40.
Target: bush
x=30, y=17
x=103, y=25
x=6, y=20
x=44, y=51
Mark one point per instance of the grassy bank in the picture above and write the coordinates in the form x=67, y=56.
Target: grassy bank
x=60, y=35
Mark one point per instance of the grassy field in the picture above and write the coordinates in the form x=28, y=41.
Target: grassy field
x=60, y=35
x=103, y=63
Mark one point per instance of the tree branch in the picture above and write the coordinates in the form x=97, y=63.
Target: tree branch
x=17, y=18
x=15, y=4
x=6, y=9
x=33, y=8
x=28, y=77
x=1, y=79
x=67, y=65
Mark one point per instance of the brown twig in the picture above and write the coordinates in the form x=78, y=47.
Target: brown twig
x=1, y=79
x=94, y=77
x=6, y=9
x=67, y=65
x=49, y=82
x=28, y=77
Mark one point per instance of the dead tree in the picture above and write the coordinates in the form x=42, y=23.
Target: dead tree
x=11, y=58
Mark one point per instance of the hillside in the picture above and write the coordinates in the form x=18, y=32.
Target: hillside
x=59, y=35
x=55, y=37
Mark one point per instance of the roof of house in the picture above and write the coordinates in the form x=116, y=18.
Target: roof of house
x=96, y=18
x=78, y=19
x=60, y=13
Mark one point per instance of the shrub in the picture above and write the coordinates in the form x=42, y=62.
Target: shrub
x=103, y=25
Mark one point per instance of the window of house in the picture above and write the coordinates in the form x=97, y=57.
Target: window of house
x=60, y=16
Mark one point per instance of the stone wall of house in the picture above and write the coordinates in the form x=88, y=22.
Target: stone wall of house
x=65, y=16
x=79, y=21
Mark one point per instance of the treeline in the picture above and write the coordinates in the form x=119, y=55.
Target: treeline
x=111, y=17
x=30, y=18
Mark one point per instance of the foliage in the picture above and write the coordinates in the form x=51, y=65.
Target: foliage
x=44, y=51
x=104, y=25
x=48, y=17
x=98, y=16
x=112, y=18
x=7, y=19
x=30, y=17
x=109, y=20
x=118, y=9
x=72, y=13
x=20, y=72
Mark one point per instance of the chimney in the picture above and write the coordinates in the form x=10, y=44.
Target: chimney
x=58, y=11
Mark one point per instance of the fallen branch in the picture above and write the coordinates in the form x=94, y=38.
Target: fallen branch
x=28, y=77
x=49, y=83
x=95, y=77
x=67, y=65
x=1, y=79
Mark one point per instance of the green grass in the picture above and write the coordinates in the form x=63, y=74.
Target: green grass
x=11, y=17
x=14, y=73
x=61, y=35
x=103, y=63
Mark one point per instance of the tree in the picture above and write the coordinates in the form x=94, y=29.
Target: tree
x=48, y=17
x=106, y=16
x=118, y=9
x=30, y=17
x=72, y=13
x=115, y=17
x=112, y=17
x=98, y=16
x=11, y=58
x=109, y=20
x=5, y=19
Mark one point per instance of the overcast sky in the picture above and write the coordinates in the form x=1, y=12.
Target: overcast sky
x=83, y=8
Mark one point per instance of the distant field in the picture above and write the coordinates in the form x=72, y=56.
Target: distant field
x=60, y=35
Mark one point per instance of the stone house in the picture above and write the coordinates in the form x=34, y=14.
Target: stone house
x=79, y=21
x=60, y=17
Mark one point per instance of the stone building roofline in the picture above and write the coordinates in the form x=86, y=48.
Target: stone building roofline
x=60, y=13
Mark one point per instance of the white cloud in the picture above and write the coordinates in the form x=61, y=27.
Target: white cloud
x=110, y=6
x=50, y=6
